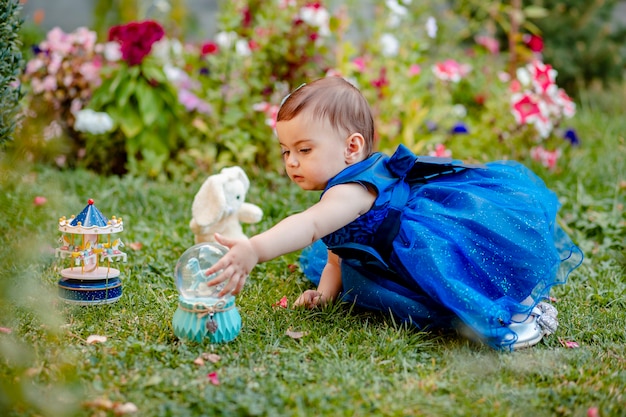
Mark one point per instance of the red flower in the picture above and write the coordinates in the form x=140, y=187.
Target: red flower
x=533, y=42
x=381, y=82
x=136, y=39
x=246, y=17
x=210, y=48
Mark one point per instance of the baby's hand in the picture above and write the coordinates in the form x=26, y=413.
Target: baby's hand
x=310, y=299
x=235, y=265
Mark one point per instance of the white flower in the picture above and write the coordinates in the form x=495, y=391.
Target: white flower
x=389, y=44
x=459, y=111
x=431, y=27
x=242, y=47
x=396, y=8
x=316, y=16
x=93, y=122
x=112, y=51
x=225, y=39
x=163, y=6
x=523, y=76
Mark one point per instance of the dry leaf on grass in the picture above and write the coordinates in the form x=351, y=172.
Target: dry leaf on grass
x=211, y=357
x=94, y=338
x=136, y=245
x=296, y=335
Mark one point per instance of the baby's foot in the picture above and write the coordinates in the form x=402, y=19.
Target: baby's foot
x=541, y=322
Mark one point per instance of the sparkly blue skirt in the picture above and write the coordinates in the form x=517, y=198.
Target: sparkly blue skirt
x=470, y=249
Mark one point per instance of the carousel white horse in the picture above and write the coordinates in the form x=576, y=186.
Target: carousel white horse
x=112, y=251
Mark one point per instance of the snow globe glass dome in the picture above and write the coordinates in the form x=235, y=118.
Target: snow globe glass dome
x=201, y=313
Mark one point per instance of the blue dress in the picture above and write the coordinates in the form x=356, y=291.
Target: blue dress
x=445, y=241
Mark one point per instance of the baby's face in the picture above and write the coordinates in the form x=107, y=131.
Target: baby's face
x=313, y=152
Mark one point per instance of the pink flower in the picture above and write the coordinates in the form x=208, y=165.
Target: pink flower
x=548, y=159
x=40, y=200
x=568, y=107
x=359, y=63
x=451, y=70
x=270, y=110
x=525, y=108
x=193, y=102
x=213, y=379
x=414, y=70
x=490, y=43
x=441, y=151
x=91, y=71
x=543, y=77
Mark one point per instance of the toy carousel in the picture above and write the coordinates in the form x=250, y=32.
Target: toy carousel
x=86, y=242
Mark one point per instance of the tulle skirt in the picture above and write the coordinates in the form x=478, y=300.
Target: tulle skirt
x=479, y=246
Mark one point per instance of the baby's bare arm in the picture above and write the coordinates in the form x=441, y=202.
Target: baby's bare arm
x=339, y=206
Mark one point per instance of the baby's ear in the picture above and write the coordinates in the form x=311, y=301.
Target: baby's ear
x=355, y=148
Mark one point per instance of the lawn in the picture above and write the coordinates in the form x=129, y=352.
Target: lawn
x=336, y=361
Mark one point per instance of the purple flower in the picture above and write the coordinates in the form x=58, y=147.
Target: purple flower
x=459, y=128
x=571, y=136
x=431, y=126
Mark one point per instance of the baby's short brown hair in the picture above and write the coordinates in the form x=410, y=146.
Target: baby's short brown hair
x=335, y=100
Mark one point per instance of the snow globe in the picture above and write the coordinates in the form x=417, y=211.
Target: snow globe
x=201, y=313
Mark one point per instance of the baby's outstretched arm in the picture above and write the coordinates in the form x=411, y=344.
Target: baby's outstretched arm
x=339, y=206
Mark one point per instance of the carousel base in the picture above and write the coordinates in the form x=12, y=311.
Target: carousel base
x=90, y=292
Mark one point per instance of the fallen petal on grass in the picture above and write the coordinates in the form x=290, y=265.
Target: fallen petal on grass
x=94, y=338
x=40, y=200
x=282, y=303
x=570, y=344
x=136, y=245
x=5, y=330
x=125, y=408
x=296, y=335
x=198, y=361
x=211, y=357
x=213, y=379
x=593, y=412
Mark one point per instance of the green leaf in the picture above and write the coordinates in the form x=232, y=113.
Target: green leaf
x=125, y=90
x=149, y=103
x=130, y=123
x=535, y=12
x=154, y=73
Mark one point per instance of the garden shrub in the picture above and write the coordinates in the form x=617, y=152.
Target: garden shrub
x=186, y=108
x=583, y=40
x=11, y=63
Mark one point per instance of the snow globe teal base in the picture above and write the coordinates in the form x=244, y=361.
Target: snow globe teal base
x=202, y=315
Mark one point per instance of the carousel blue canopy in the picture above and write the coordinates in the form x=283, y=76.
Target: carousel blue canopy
x=90, y=217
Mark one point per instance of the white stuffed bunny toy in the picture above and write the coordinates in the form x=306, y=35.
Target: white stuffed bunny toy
x=219, y=206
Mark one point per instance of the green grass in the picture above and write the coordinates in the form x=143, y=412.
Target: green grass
x=349, y=363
